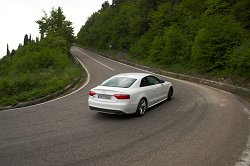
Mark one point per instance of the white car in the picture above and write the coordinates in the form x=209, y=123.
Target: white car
x=129, y=93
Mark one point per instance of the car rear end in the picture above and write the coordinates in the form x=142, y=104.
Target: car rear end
x=111, y=100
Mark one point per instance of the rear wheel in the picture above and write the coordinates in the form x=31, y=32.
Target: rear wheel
x=142, y=107
x=170, y=93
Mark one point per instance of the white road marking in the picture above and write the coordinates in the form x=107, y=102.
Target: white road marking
x=87, y=81
x=94, y=59
x=187, y=82
x=245, y=158
x=191, y=83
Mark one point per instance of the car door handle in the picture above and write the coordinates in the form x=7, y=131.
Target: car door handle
x=154, y=89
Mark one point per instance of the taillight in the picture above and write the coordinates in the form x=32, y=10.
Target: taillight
x=122, y=96
x=92, y=93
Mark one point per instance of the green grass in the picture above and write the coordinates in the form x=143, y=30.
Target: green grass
x=31, y=86
x=37, y=70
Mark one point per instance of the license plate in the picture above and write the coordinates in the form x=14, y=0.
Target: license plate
x=107, y=97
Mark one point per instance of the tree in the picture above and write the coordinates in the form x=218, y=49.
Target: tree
x=214, y=41
x=162, y=18
x=56, y=25
x=105, y=5
x=176, y=47
x=43, y=26
x=30, y=38
x=239, y=60
x=8, y=51
x=206, y=35
x=13, y=52
x=140, y=49
x=187, y=15
x=117, y=2
x=26, y=40
x=156, y=49
x=170, y=48
x=241, y=11
x=37, y=40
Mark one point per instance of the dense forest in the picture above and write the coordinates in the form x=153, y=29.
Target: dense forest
x=209, y=37
x=41, y=67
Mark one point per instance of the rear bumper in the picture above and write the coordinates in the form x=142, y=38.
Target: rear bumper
x=124, y=107
x=106, y=111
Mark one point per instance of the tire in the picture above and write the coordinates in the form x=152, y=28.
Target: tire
x=170, y=93
x=142, y=107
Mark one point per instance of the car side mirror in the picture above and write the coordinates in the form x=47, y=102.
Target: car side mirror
x=162, y=81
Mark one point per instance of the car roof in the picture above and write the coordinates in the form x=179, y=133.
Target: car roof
x=133, y=75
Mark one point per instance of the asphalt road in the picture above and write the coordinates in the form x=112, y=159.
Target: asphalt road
x=200, y=126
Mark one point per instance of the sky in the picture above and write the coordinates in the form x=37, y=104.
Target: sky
x=18, y=17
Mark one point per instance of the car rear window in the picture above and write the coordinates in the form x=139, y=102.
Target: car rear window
x=120, y=82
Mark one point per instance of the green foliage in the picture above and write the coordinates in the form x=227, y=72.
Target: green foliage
x=41, y=68
x=37, y=69
x=89, y=33
x=141, y=48
x=25, y=40
x=213, y=43
x=217, y=7
x=105, y=5
x=205, y=36
x=56, y=25
x=241, y=11
x=117, y=2
x=239, y=60
x=175, y=46
x=156, y=49
x=188, y=14
x=162, y=18
x=119, y=27
x=8, y=51
x=171, y=48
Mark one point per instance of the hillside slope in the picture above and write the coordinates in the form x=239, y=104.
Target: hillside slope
x=200, y=37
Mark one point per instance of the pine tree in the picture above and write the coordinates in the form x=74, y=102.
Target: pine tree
x=8, y=51
x=26, y=39
x=30, y=38
x=13, y=52
x=105, y=5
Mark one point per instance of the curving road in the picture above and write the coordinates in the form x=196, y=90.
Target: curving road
x=199, y=126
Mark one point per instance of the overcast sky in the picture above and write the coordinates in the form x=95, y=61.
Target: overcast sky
x=18, y=17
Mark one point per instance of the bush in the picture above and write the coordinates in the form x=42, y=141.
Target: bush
x=171, y=48
x=217, y=38
x=239, y=60
x=176, y=47
x=141, y=48
x=38, y=69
